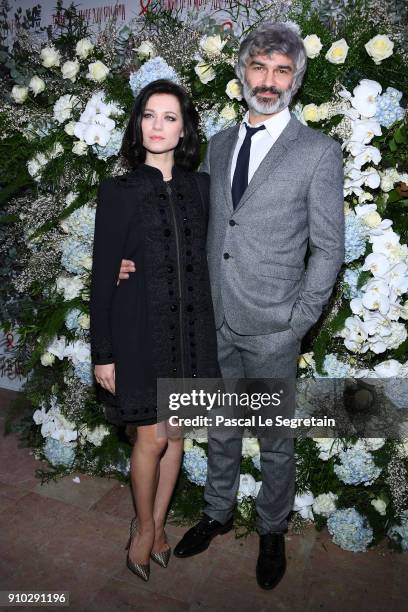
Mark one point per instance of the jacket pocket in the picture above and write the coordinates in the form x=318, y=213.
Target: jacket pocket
x=276, y=270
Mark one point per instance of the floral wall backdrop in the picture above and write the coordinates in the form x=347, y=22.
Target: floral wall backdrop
x=63, y=111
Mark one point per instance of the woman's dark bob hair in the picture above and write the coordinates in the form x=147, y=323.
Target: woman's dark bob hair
x=187, y=152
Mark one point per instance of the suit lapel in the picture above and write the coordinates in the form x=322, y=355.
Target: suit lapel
x=225, y=163
x=274, y=158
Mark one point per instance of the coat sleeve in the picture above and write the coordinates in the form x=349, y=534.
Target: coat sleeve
x=326, y=239
x=108, y=247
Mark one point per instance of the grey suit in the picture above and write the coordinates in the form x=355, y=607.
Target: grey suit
x=264, y=299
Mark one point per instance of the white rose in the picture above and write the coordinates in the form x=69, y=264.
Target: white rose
x=70, y=70
x=234, y=89
x=312, y=45
x=311, y=112
x=47, y=359
x=204, y=72
x=50, y=57
x=212, y=45
x=19, y=93
x=83, y=48
x=379, y=48
x=188, y=444
x=80, y=147
x=97, y=71
x=324, y=110
x=36, y=85
x=337, y=52
x=373, y=219
x=228, y=112
x=69, y=128
x=146, y=49
x=305, y=360
x=84, y=321
x=379, y=505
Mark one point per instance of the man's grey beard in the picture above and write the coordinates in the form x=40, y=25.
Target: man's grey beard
x=266, y=106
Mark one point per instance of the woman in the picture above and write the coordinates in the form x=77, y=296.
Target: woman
x=160, y=322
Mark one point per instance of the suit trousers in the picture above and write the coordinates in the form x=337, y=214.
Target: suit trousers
x=264, y=356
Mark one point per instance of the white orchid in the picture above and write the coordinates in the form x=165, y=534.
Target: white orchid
x=376, y=295
x=365, y=97
x=377, y=263
x=355, y=335
x=364, y=154
x=388, y=369
x=364, y=130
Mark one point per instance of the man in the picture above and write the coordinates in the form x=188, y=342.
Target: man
x=276, y=189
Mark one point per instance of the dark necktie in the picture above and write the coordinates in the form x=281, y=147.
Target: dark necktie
x=240, y=180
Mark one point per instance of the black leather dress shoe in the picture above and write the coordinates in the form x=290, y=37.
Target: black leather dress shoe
x=271, y=564
x=198, y=538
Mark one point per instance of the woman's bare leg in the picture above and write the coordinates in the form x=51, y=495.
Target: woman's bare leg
x=145, y=461
x=169, y=470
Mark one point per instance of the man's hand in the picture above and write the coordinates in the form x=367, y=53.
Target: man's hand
x=126, y=266
x=105, y=376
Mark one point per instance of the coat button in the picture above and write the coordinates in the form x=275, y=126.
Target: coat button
x=173, y=307
x=167, y=233
x=189, y=267
x=190, y=308
x=187, y=231
x=180, y=196
x=162, y=196
x=226, y=255
x=232, y=222
x=170, y=269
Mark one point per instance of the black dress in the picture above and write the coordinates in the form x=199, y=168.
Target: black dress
x=160, y=321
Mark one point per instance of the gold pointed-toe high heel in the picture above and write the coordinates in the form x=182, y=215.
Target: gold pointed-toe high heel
x=161, y=558
x=140, y=569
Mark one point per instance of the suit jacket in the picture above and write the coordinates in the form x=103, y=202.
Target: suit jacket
x=256, y=253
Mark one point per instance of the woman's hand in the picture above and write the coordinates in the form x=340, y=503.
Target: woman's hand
x=126, y=267
x=105, y=376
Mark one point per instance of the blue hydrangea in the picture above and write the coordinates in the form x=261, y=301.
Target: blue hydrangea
x=83, y=371
x=356, y=467
x=351, y=278
x=399, y=533
x=333, y=367
x=213, y=123
x=73, y=255
x=59, y=453
x=81, y=224
x=111, y=148
x=388, y=109
x=350, y=530
x=195, y=465
x=256, y=460
x=71, y=319
x=355, y=238
x=152, y=70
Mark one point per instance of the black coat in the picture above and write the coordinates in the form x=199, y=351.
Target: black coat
x=160, y=321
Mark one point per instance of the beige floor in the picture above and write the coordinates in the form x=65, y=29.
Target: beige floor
x=71, y=537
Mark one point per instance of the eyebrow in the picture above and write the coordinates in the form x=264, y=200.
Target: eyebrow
x=153, y=111
x=282, y=66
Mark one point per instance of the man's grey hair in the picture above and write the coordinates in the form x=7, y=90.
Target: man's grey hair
x=271, y=38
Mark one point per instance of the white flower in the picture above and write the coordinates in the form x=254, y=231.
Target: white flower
x=377, y=264
x=36, y=85
x=379, y=505
x=57, y=347
x=328, y=447
x=250, y=447
x=146, y=50
x=19, y=93
x=234, y=89
x=69, y=128
x=47, y=359
x=372, y=444
x=50, y=57
x=212, y=45
x=63, y=107
x=97, y=71
x=338, y=52
x=228, y=112
x=311, y=112
x=71, y=287
x=324, y=110
x=313, y=45
x=247, y=486
x=376, y=295
x=379, y=48
x=80, y=148
x=83, y=48
x=305, y=360
x=96, y=435
x=94, y=134
x=70, y=70
x=204, y=72
x=365, y=97
x=84, y=321
x=364, y=130
x=188, y=444
x=303, y=504
x=325, y=504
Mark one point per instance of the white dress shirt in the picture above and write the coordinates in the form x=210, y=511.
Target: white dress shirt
x=262, y=141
